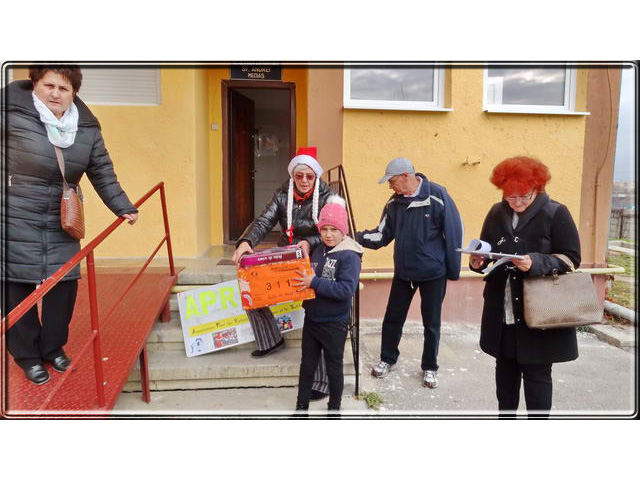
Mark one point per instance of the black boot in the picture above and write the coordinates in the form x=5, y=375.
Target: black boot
x=275, y=348
x=333, y=412
x=302, y=411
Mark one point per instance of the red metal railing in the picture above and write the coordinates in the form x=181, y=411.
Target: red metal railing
x=21, y=309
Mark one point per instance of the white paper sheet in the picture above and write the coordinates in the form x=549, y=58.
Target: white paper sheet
x=482, y=248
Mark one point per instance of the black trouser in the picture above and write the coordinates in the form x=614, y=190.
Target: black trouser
x=431, y=294
x=267, y=334
x=316, y=337
x=29, y=341
x=509, y=373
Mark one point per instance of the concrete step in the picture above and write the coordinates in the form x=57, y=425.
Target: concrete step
x=171, y=369
x=205, y=273
x=231, y=368
x=619, y=335
x=167, y=336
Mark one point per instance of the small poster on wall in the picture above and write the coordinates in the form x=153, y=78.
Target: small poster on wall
x=212, y=318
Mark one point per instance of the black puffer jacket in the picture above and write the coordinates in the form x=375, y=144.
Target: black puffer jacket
x=276, y=211
x=36, y=244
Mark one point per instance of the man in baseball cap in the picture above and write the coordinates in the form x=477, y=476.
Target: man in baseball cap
x=425, y=224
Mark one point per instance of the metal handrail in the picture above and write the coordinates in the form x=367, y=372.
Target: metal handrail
x=354, y=314
x=31, y=300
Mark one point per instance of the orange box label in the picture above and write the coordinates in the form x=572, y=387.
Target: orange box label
x=269, y=284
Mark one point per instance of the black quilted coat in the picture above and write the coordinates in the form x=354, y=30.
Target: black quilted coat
x=36, y=244
x=276, y=211
x=544, y=228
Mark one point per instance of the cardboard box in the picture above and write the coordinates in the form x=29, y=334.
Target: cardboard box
x=269, y=256
x=268, y=284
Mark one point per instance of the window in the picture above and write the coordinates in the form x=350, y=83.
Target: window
x=405, y=88
x=530, y=90
x=120, y=86
x=116, y=86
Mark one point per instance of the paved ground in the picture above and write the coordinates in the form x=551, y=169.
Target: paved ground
x=601, y=382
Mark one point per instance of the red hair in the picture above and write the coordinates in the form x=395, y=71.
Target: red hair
x=519, y=175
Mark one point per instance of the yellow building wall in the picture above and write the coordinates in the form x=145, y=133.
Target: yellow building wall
x=176, y=143
x=149, y=144
x=439, y=143
x=299, y=76
x=202, y=131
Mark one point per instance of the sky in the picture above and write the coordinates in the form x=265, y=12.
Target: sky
x=624, y=168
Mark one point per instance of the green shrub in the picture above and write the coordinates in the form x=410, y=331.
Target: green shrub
x=373, y=399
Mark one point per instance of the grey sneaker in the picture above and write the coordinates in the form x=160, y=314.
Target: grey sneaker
x=381, y=369
x=430, y=379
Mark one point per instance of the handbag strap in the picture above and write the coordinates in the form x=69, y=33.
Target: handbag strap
x=61, y=165
x=566, y=260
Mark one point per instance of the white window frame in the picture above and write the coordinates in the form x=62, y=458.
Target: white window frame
x=437, y=105
x=568, y=108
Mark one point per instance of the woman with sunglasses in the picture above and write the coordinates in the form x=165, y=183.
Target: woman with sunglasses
x=527, y=222
x=295, y=205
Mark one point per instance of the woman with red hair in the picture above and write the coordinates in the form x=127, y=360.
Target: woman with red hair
x=527, y=222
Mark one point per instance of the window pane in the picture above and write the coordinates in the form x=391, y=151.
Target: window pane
x=534, y=86
x=410, y=84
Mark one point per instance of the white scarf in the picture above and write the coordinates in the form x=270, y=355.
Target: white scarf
x=61, y=132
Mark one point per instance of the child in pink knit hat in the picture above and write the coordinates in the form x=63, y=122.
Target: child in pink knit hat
x=334, y=214
x=336, y=265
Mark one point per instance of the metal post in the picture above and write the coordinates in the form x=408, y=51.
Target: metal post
x=165, y=217
x=144, y=375
x=357, y=341
x=95, y=326
x=166, y=312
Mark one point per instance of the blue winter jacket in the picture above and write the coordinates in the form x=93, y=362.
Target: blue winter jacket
x=337, y=272
x=427, y=230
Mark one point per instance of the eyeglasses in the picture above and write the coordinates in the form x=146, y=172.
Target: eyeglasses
x=302, y=175
x=524, y=198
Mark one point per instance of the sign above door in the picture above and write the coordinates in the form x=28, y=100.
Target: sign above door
x=256, y=72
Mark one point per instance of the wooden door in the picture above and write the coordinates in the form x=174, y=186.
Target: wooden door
x=241, y=170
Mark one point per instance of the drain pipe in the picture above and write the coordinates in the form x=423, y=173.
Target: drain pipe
x=596, y=200
x=620, y=311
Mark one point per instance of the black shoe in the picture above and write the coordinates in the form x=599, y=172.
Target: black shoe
x=317, y=395
x=37, y=374
x=301, y=412
x=61, y=363
x=271, y=350
x=334, y=415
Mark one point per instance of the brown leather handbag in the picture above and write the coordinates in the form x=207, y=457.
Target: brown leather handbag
x=565, y=300
x=71, y=209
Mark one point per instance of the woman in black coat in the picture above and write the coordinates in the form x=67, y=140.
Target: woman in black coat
x=295, y=205
x=529, y=223
x=43, y=113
